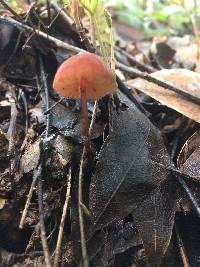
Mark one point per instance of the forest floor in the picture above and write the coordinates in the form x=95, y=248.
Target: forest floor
x=140, y=187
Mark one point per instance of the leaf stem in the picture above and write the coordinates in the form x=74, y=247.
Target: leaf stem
x=102, y=47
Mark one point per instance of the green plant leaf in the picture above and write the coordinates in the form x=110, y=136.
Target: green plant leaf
x=90, y=6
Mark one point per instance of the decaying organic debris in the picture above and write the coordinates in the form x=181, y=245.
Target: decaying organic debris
x=134, y=201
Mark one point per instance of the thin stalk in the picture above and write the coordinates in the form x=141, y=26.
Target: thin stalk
x=85, y=119
x=93, y=33
x=62, y=223
x=102, y=47
x=94, y=114
x=42, y=226
x=80, y=212
x=28, y=201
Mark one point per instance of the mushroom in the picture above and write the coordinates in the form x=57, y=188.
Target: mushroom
x=84, y=77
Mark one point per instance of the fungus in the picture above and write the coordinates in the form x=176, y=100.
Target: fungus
x=84, y=77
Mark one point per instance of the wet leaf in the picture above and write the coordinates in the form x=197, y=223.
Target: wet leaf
x=68, y=121
x=154, y=219
x=131, y=177
x=189, y=81
x=189, y=163
x=121, y=236
x=127, y=171
x=30, y=158
x=64, y=147
x=126, y=237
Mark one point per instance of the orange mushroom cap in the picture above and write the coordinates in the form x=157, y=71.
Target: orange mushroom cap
x=84, y=71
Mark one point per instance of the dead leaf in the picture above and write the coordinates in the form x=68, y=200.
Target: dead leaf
x=126, y=172
x=30, y=158
x=188, y=148
x=64, y=147
x=189, y=81
x=189, y=163
x=187, y=52
x=129, y=179
x=2, y=202
x=68, y=121
x=162, y=54
x=154, y=219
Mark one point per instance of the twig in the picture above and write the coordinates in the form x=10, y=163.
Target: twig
x=179, y=175
x=163, y=84
x=85, y=210
x=94, y=114
x=80, y=212
x=28, y=201
x=62, y=13
x=12, y=129
x=40, y=193
x=74, y=49
x=181, y=248
x=48, y=11
x=46, y=90
x=143, y=67
x=42, y=226
x=59, y=11
x=6, y=6
x=22, y=96
x=185, y=176
x=36, y=231
x=62, y=222
x=29, y=29
x=124, y=89
x=53, y=106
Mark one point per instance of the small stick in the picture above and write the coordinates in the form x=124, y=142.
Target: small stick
x=94, y=114
x=6, y=6
x=179, y=175
x=84, y=110
x=124, y=89
x=75, y=49
x=12, y=129
x=163, y=84
x=53, y=106
x=143, y=67
x=48, y=11
x=80, y=212
x=28, y=201
x=62, y=222
x=46, y=91
x=42, y=226
x=194, y=179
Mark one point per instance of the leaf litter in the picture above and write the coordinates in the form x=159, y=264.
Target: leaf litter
x=134, y=196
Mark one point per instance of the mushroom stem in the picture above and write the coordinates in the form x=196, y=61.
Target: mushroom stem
x=84, y=109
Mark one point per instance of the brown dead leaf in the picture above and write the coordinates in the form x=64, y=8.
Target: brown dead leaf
x=30, y=158
x=2, y=202
x=189, y=81
x=189, y=53
x=192, y=144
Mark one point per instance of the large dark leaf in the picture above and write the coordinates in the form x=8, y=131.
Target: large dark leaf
x=154, y=219
x=126, y=172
